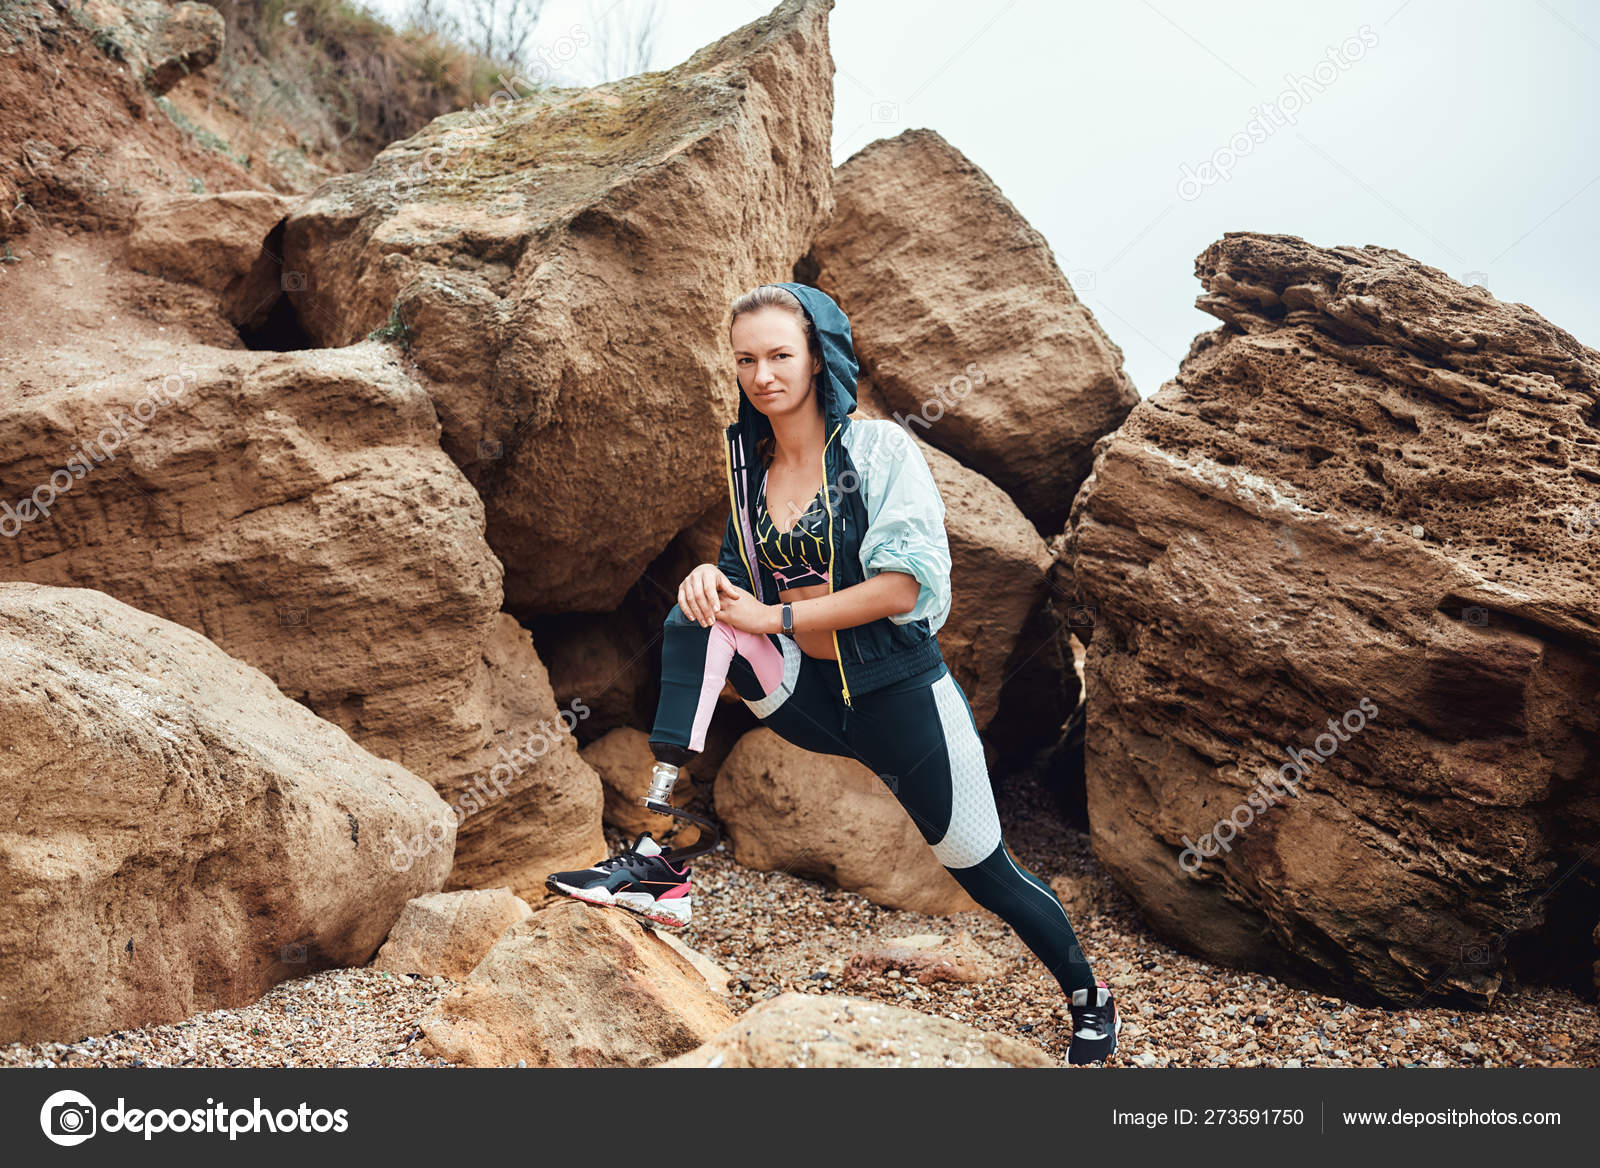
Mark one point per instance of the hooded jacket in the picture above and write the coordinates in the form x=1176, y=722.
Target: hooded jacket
x=884, y=515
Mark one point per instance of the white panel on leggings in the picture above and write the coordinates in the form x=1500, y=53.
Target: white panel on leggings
x=791, y=674
x=974, y=830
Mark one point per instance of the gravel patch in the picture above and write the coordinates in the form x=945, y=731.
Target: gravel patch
x=779, y=932
x=336, y=1018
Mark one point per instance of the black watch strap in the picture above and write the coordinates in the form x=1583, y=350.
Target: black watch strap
x=788, y=618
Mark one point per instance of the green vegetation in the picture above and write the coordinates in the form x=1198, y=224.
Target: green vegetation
x=11, y=14
x=395, y=330
x=105, y=39
x=205, y=137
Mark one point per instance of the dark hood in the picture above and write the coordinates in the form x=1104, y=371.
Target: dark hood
x=838, y=383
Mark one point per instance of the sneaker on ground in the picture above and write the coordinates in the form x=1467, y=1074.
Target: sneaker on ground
x=1095, y=1024
x=638, y=878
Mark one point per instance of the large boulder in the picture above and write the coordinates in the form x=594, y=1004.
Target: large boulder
x=1342, y=678
x=829, y=818
x=832, y=1030
x=216, y=242
x=528, y=805
x=296, y=509
x=446, y=934
x=162, y=43
x=564, y=263
x=176, y=836
x=575, y=985
x=961, y=316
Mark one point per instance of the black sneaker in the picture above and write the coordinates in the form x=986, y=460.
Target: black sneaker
x=637, y=878
x=1095, y=1023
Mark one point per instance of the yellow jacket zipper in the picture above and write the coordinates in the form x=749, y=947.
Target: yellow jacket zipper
x=733, y=504
x=826, y=497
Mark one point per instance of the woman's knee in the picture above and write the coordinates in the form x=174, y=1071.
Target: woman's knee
x=676, y=618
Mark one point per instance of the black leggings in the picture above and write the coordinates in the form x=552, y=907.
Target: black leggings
x=917, y=735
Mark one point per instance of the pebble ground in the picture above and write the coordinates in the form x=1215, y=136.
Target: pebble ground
x=780, y=932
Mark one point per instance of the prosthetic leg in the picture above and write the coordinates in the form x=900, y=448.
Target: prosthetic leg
x=658, y=799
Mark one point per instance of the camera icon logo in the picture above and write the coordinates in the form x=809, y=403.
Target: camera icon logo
x=294, y=281
x=1478, y=954
x=489, y=448
x=292, y=954
x=884, y=111
x=1475, y=615
x=291, y=617
x=1081, y=279
x=68, y=1118
x=1081, y=615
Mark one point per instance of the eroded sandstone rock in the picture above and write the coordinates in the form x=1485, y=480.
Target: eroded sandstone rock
x=829, y=818
x=216, y=242
x=296, y=509
x=446, y=934
x=176, y=835
x=577, y=986
x=832, y=1030
x=1360, y=528
x=565, y=263
x=962, y=318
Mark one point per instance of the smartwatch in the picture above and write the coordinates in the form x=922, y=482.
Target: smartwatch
x=788, y=619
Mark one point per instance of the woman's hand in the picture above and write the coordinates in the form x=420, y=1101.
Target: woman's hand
x=707, y=596
x=745, y=613
x=700, y=595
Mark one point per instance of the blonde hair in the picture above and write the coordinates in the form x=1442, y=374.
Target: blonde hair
x=772, y=296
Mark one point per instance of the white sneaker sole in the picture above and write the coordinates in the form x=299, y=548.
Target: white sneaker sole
x=674, y=912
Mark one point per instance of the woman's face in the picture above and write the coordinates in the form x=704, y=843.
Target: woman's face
x=775, y=370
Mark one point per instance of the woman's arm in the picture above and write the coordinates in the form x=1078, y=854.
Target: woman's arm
x=886, y=594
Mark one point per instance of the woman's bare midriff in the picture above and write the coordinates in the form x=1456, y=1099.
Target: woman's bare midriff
x=816, y=643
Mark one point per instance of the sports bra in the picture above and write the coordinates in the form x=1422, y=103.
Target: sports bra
x=800, y=557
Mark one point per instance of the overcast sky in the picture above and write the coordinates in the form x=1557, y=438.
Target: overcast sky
x=1461, y=133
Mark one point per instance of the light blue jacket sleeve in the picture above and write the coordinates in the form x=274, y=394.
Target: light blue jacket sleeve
x=905, y=522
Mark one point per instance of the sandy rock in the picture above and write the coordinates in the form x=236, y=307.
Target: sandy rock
x=296, y=509
x=928, y=957
x=601, y=659
x=161, y=43
x=215, y=242
x=1358, y=530
x=448, y=933
x=528, y=804
x=566, y=263
x=175, y=834
x=1076, y=895
x=941, y=276
x=832, y=1030
x=576, y=986
x=829, y=818
x=624, y=762
x=716, y=977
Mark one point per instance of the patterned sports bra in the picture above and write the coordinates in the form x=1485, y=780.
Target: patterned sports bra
x=800, y=557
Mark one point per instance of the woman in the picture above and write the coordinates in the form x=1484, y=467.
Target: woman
x=822, y=610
